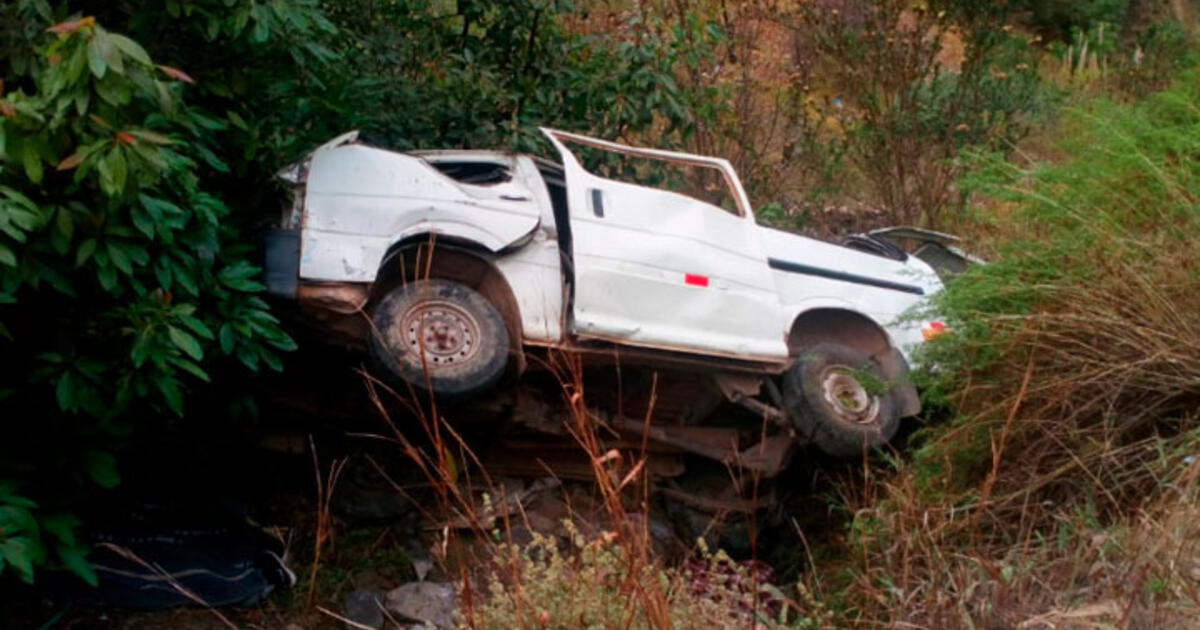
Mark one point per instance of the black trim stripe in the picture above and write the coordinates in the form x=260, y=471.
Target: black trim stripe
x=833, y=274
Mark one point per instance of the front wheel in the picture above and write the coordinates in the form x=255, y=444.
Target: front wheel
x=838, y=398
x=439, y=336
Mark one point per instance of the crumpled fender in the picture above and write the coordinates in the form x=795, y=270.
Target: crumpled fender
x=361, y=200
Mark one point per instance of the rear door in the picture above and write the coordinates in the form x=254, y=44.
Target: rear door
x=660, y=269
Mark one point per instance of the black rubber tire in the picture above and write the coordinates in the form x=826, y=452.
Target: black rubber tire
x=398, y=357
x=817, y=420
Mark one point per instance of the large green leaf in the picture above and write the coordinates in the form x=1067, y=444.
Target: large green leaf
x=186, y=342
x=62, y=527
x=101, y=466
x=75, y=560
x=130, y=47
x=18, y=552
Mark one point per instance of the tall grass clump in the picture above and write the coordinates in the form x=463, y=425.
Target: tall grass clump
x=606, y=572
x=1088, y=318
x=1064, y=491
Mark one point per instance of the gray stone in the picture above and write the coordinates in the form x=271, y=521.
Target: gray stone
x=363, y=607
x=422, y=564
x=427, y=602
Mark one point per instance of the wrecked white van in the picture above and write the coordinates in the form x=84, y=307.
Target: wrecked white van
x=464, y=261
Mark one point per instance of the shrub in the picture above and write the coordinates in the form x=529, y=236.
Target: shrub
x=905, y=108
x=120, y=289
x=489, y=73
x=599, y=584
x=1073, y=368
x=1093, y=283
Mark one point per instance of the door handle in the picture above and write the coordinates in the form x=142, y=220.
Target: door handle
x=598, y=202
x=514, y=198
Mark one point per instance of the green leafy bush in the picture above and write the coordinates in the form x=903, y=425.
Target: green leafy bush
x=1070, y=386
x=488, y=73
x=1117, y=214
x=119, y=293
x=905, y=110
x=1073, y=371
x=1088, y=297
x=1161, y=51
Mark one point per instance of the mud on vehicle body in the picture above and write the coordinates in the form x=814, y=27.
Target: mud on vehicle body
x=468, y=263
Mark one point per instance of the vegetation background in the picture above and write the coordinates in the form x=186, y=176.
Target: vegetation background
x=1056, y=482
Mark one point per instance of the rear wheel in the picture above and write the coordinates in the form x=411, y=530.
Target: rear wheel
x=439, y=336
x=838, y=398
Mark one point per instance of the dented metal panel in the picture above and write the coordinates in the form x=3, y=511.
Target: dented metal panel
x=534, y=271
x=647, y=262
x=881, y=289
x=659, y=269
x=359, y=201
x=535, y=275
x=651, y=269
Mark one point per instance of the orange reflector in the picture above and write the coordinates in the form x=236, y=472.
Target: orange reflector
x=695, y=280
x=934, y=330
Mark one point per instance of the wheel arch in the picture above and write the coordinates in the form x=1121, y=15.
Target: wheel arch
x=854, y=329
x=447, y=229
x=431, y=255
x=839, y=324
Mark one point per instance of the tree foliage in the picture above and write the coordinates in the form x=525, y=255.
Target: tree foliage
x=484, y=73
x=121, y=291
x=906, y=109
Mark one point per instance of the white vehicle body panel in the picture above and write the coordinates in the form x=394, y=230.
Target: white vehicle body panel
x=802, y=290
x=658, y=270
x=535, y=276
x=359, y=201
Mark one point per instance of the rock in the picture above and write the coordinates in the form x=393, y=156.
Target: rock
x=427, y=602
x=362, y=607
x=422, y=567
x=518, y=534
x=422, y=564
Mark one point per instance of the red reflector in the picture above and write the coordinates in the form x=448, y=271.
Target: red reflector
x=695, y=280
x=934, y=330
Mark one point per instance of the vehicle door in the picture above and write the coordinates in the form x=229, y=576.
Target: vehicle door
x=660, y=269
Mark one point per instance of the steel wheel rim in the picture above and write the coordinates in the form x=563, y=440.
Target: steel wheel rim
x=847, y=396
x=447, y=333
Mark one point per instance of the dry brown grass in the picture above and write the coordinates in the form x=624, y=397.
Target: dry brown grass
x=920, y=566
x=1068, y=497
x=1064, y=493
x=606, y=574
